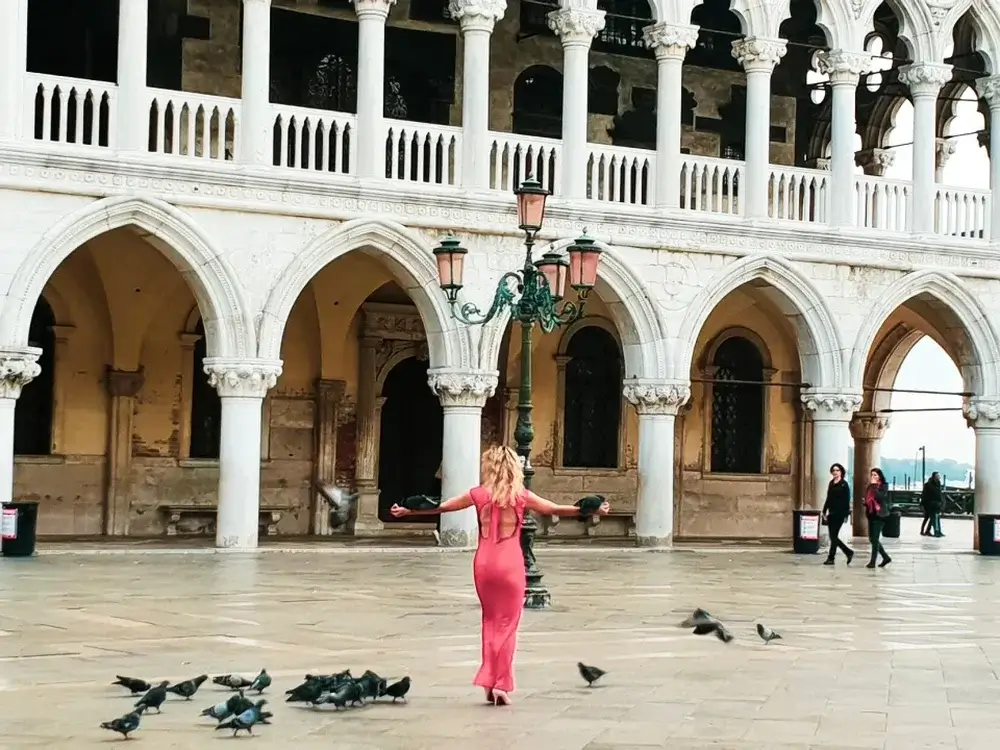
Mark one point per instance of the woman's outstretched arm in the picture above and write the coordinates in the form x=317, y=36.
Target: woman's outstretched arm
x=459, y=502
x=549, y=508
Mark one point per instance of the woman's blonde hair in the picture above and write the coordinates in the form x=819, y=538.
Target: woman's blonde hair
x=502, y=474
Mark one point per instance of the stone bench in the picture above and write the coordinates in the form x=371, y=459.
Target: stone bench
x=549, y=523
x=176, y=514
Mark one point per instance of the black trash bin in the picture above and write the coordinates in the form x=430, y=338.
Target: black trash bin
x=989, y=535
x=805, y=532
x=890, y=530
x=17, y=530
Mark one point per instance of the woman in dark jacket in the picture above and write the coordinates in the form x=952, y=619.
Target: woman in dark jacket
x=836, y=510
x=877, y=510
x=933, y=501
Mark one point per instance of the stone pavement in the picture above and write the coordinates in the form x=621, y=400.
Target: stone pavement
x=901, y=659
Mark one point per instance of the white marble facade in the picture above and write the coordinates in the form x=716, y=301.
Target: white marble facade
x=249, y=237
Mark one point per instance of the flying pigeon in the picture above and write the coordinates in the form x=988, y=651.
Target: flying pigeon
x=341, y=502
x=421, y=502
x=590, y=674
x=696, y=618
x=766, y=634
x=126, y=724
x=589, y=505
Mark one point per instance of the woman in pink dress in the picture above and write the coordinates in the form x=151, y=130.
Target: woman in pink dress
x=498, y=569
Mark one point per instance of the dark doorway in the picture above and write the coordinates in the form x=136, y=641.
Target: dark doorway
x=409, y=452
x=33, y=411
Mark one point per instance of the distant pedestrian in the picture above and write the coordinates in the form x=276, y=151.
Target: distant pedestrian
x=932, y=498
x=836, y=511
x=877, y=510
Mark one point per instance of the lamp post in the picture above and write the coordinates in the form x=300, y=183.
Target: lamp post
x=533, y=296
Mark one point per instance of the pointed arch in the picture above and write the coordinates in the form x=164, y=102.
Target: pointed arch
x=635, y=316
x=411, y=262
x=819, y=341
x=985, y=16
x=948, y=290
x=228, y=321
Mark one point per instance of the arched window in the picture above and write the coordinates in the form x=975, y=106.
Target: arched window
x=538, y=95
x=592, y=400
x=206, y=407
x=33, y=413
x=738, y=408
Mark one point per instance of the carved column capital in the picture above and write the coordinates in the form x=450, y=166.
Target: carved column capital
x=843, y=66
x=982, y=412
x=988, y=88
x=759, y=55
x=944, y=149
x=831, y=406
x=868, y=426
x=875, y=161
x=664, y=397
x=670, y=40
x=18, y=367
x=242, y=378
x=576, y=26
x=925, y=79
x=468, y=388
x=373, y=8
x=125, y=383
x=477, y=15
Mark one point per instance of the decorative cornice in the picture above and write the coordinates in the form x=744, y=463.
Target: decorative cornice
x=829, y=406
x=657, y=396
x=18, y=367
x=575, y=26
x=869, y=426
x=843, y=66
x=477, y=15
x=670, y=40
x=373, y=8
x=757, y=54
x=465, y=388
x=242, y=378
x=925, y=79
x=988, y=88
x=981, y=412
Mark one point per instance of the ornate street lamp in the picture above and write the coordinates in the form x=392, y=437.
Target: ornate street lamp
x=533, y=295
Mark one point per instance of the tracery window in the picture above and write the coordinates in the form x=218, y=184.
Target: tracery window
x=737, y=408
x=592, y=400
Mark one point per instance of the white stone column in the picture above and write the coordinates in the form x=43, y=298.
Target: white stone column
x=242, y=386
x=758, y=57
x=132, y=119
x=944, y=149
x=845, y=69
x=984, y=417
x=670, y=43
x=476, y=19
x=18, y=367
x=925, y=81
x=831, y=413
x=989, y=89
x=255, y=143
x=463, y=395
x=867, y=429
x=13, y=65
x=657, y=403
x=372, y=15
x=576, y=29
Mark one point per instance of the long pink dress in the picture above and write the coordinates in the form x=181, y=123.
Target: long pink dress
x=498, y=570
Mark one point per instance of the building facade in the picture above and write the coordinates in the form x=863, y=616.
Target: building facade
x=217, y=221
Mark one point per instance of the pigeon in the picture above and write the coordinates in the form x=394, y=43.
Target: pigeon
x=155, y=697
x=766, y=634
x=126, y=724
x=398, y=690
x=698, y=617
x=590, y=674
x=369, y=683
x=352, y=691
x=234, y=706
x=188, y=688
x=308, y=692
x=132, y=684
x=421, y=502
x=245, y=720
x=589, y=505
x=261, y=682
x=341, y=503
x=339, y=699
x=232, y=681
x=714, y=626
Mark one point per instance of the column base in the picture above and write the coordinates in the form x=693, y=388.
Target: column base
x=366, y=521
x=367, y=527
x=654, y=541
x=236, y=542
x=537, y=597
x=458, y=539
